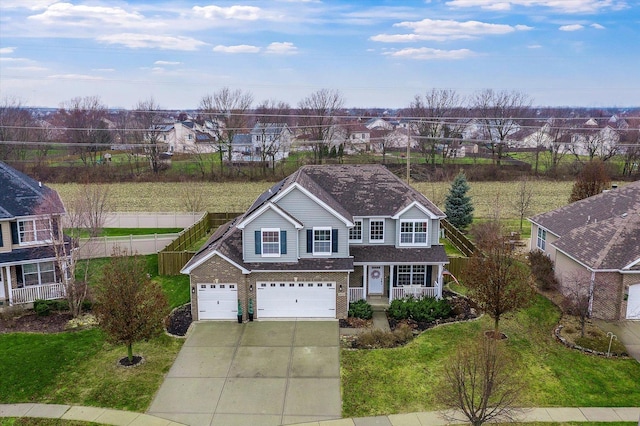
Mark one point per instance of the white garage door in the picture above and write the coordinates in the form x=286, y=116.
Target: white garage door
x=633, y=302
x=296, y=299
x=217, y=301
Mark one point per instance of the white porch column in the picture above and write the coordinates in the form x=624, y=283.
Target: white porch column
x=392, y=270
x=439, y=291
x=8, y=271
x=365, y=281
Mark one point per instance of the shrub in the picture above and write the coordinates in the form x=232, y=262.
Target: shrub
x=377, y=339
x=360, y=309
x=44, y=308
x=426, y=309
x=542, y=270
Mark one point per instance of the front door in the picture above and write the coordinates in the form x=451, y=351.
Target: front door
x=376, y=275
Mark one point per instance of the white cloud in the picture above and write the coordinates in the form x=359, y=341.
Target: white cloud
x=7, y=50
x=67, y=14
x=103, y=69
x=566, y=6
x=241, y=48
x=534, y=46
x=150, y=41
x=167, y=63
x=597, y=26
x=572, y=27
x=441, y=30
x=282, y=48
x=429, y=53
x=242, y=13
x=74, y=77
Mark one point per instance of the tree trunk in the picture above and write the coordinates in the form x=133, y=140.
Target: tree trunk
x=130, y=352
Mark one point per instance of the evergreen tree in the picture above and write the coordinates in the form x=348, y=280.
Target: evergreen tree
x=458, y=207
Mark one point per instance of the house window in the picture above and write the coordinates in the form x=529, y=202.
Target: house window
x=355, y=233
x=542, y=239
x=376, y=231
x=321, y=240
x=271, y=242
x=413, y=232
x=413, y=275
x=34, y=230
x=36, y=274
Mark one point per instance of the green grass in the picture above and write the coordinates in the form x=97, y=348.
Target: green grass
x=405, y=379
x=124, y=232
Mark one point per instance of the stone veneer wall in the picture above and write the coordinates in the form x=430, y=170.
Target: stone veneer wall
x=224, y=272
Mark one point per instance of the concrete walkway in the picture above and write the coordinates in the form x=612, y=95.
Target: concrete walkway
x=431, y=418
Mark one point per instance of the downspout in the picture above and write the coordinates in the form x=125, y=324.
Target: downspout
x=592, y=285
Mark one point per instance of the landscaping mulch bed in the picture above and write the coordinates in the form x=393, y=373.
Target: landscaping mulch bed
x=352, y=322
x=30, y=322
x=179, y=320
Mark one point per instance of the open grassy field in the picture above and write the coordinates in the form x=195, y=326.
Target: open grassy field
x=488, y=198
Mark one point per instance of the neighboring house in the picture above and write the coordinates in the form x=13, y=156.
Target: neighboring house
x=268, y=141
x=189, y=137
x=27, y=257
x=598, y=238
x=317, y=240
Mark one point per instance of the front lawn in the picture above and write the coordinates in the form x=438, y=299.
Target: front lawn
x=81, y=368
x=400, y=380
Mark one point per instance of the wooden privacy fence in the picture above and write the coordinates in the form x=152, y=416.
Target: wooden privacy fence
x=456, y=265
x=175, y=255
x=457, y=238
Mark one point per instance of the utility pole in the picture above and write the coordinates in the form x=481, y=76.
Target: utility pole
x=408, y=156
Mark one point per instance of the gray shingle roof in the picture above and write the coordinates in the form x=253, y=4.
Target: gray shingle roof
x=602, y=232
x=21, y=195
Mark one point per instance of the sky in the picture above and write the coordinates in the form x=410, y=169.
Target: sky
x=583, y=53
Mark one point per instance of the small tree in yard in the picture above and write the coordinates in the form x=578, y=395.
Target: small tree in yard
x=458, y=207
x=129, y=306
x=522, y=200
x=496, y=281
x=483, y=383
x=577, y=291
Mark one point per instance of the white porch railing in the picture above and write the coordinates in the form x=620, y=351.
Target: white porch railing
x=413, y=290
x=31, y=293
x=355, y=294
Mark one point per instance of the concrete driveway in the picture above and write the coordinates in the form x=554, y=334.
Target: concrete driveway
x=627, y=332
x=258, y=373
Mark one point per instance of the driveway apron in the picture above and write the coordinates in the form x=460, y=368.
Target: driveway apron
x=258, y=373
x=628, y=332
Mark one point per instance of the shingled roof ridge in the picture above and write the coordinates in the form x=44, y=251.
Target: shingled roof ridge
x=612, y=241
x=37, y=187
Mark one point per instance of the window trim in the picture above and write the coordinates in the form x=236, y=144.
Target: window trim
x=262, y=243
x=38, y=272
x=330, y=241
x=541, y=240
x=413, y=232
x=356, y=222
x=36, y=238
x=377, y=240
x=411, y=274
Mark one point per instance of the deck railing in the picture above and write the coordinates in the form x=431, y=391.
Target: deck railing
x=355, y=294
x=31, y=293
x=411, y=290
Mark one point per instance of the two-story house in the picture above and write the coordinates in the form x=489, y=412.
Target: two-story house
x=317, y=240
x=29, y=213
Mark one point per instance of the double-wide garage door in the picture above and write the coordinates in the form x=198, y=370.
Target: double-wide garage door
x=217, y=301
x=296, y=299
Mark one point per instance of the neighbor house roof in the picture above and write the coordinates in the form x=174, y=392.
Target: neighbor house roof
x=24, y=196
x=601, y=232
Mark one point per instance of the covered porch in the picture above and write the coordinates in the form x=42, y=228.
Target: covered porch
x=382, y=284
x=27, y=282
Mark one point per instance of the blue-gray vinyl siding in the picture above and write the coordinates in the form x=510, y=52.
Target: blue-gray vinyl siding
x=270, y=219
x=389, y=230
x=313, y=215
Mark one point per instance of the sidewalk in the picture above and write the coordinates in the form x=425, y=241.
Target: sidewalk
x=432, y=418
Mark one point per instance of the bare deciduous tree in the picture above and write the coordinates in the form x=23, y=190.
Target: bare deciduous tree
x=230, y=108
x=630, y=147
x=435, y=116
x=483, y=383
x=129, y=306
x=272, y=117
x=318, y=119
x=577, y=290
x=592, y=180
x=86, y=126
x=496, y=280
x=148, y=122
x=521, y=202
x=500, y=114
